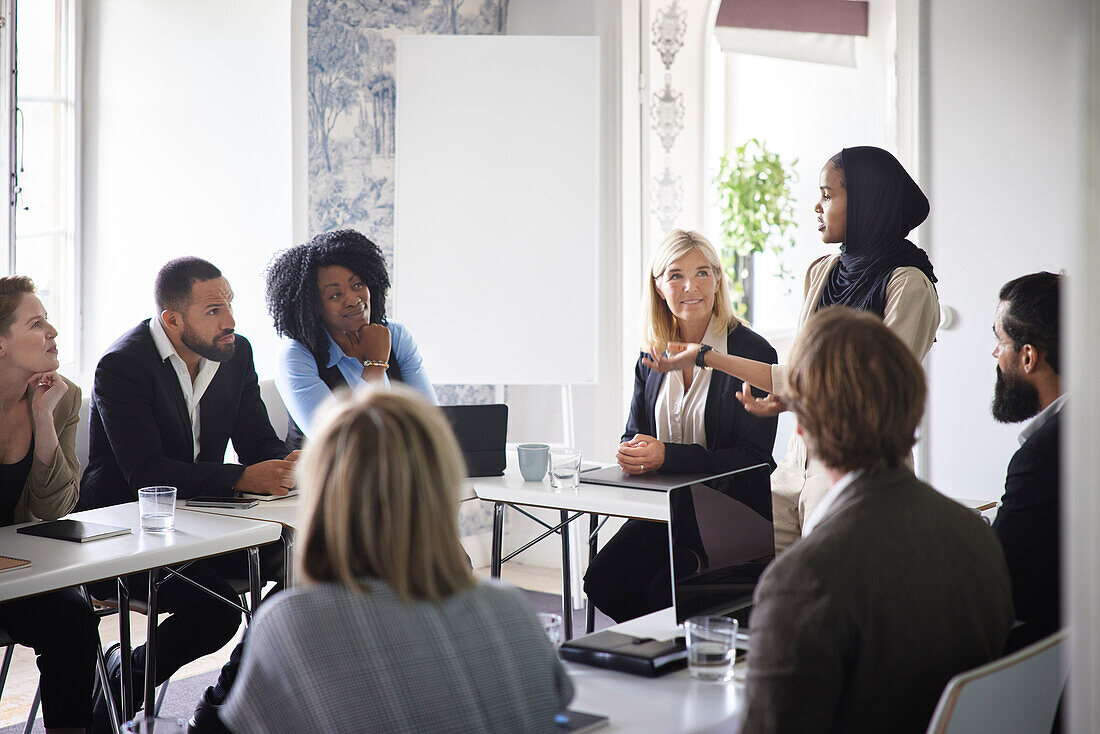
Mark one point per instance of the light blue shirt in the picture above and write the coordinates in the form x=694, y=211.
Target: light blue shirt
x=302, y=389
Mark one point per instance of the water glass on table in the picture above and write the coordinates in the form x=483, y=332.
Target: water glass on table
x=565, y=468
x=712, y=647
x=552, y=626
x=154, y=725
x=158, y=509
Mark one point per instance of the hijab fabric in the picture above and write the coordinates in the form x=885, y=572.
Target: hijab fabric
x=884, y=205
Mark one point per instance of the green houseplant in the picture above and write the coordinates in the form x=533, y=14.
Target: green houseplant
x=754, y=196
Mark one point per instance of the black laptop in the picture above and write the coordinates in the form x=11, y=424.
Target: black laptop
x=481, y=431
x=721, y=538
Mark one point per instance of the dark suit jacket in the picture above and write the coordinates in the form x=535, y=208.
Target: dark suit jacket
x=1028, y=525
x=859, y=625
x=735, y=438
x=140, y=432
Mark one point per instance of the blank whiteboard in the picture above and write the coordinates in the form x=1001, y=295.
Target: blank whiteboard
x=497, y=206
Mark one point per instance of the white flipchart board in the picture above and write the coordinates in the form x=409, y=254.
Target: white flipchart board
x=497, y=206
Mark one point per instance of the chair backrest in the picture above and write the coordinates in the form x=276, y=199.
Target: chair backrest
x=276, y=410
x=82, y=431
x=1017, y=694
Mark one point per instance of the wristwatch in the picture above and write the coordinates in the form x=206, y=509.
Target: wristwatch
x=700, y=358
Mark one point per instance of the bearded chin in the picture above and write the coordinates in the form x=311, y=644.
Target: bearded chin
x=208, y=350
x=1014, y=399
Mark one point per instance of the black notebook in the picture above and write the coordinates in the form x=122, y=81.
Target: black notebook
x=616, y=651
x=77, y=531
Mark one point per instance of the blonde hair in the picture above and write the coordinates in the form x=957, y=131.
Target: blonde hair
x=857, y=390
x=381, y=479
x=12, y=290
x=658, y=324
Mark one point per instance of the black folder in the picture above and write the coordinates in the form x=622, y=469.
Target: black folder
x=616, y=651
x=77, y=531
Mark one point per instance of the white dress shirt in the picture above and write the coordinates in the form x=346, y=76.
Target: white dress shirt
x=681, y=415
x=1043, y=416
x=192, y=392
x=824, y=506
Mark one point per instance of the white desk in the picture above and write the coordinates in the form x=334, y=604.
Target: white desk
x=59, y=564
x=592, y=499
x=671, y=703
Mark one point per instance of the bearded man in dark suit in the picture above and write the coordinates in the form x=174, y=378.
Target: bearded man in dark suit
x=1029, y=386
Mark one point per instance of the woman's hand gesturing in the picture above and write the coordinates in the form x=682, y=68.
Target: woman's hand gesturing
x=679, y=356
x=766, y=407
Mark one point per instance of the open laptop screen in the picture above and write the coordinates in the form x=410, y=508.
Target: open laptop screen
x=720, y=540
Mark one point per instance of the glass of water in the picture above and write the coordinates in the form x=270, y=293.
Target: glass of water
x=158, y=509
x=711, y=643
x=552, y=626
x=565, y=468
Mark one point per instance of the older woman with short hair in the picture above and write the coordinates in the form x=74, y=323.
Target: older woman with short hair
x=40, y=479
x=390, y=630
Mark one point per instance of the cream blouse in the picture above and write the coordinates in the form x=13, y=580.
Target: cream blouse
x=912, y=310
x=680, y=416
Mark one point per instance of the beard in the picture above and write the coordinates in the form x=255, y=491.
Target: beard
x=209, y=350
x=1014, y=398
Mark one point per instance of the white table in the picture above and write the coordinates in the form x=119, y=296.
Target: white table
x=674, y=702
x=286, y=512
x=592, y=499
x=59, y=564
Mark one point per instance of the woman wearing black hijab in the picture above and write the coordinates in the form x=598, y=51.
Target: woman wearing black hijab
x=868, y=205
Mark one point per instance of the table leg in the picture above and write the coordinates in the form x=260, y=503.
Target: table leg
x=287, y=536
x=254, y=578
x=150, y=646
x=566, y=591
x=125, y=650
x=593, y=532
x=498, y=532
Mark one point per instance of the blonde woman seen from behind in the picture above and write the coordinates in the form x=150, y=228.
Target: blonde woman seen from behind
x=390, y=631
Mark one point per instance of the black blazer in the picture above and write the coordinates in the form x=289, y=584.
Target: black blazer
x=735, y=438
x=140, y=432
x=1028, y=525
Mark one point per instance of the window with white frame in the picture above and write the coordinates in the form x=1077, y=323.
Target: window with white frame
x=44, y=164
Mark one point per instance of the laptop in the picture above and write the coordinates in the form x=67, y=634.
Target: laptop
x=481, y=431
x=721, y=538
x=615, y=477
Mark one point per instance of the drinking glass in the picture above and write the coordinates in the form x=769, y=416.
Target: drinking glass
x=552, y=626
x=565, y=467
x=158, y=509
x=711, y=643
x=154, y=725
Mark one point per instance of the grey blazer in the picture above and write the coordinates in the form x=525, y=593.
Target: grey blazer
x=859, y=625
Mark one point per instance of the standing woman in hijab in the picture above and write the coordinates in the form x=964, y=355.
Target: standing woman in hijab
x=868, y=205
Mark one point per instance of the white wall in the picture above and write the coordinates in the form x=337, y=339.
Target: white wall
x=1005, y=145
x=187, y=151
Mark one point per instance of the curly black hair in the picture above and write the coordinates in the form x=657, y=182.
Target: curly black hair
x=292, y=297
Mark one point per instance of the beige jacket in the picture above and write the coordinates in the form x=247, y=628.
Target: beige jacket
x=913, y=313
x=51, y=490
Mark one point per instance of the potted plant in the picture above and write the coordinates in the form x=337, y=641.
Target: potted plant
x=754, y=196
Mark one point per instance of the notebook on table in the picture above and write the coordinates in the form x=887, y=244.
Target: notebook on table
x=267, y=497
x=76, y=531
x=8, y=563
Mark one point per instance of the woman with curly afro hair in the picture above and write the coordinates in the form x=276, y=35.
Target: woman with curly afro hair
x=328, y=299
